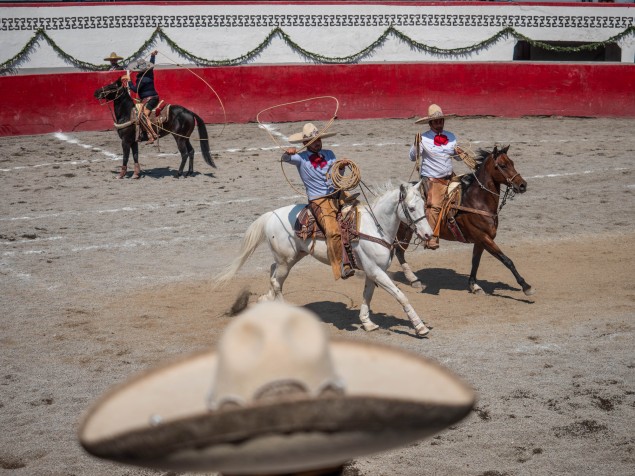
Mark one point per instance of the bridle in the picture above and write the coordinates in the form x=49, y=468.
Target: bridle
x=119, y=92
x=509, y=190
x=410, y=222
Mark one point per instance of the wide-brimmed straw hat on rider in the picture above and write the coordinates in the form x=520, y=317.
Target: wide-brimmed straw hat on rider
x=141, y=65
x=275, y=397
x=113, y=56
x=309, y=132
x=434, y=112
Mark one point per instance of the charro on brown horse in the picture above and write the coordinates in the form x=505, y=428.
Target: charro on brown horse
x=470, y=215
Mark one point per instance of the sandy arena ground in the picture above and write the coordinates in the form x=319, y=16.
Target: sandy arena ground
x=102, y=278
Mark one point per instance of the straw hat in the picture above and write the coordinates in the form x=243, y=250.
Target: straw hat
x=140, y=65
x=309, y=131
x=113, y=56
x=434, y=112
x=275, y=397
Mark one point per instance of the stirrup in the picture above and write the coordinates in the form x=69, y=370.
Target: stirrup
x=431, y=244
x=346, y=273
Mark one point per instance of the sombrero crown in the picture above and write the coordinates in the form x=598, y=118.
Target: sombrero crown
x=276, y=397
x=309, y=132
x=141, y=65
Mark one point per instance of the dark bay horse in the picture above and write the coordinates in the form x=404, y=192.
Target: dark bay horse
x=477, y=216
x=180, y=124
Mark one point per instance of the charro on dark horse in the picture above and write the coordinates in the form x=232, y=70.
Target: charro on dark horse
x=173, y=119
x=470, y=215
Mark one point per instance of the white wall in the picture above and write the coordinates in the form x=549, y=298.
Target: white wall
x=222, y=32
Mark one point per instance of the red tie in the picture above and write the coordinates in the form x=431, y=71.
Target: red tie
x=440, y=139
x=317, y=161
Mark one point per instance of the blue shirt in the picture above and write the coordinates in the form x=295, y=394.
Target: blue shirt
x=313, y=178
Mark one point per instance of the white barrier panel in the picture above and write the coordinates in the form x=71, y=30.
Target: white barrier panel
x=69, y=37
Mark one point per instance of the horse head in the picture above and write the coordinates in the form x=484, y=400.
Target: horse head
x=110, y=92
x=504, y=171
x=412, y=210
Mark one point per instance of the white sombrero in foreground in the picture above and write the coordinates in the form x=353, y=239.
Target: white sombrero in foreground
x=277, y=396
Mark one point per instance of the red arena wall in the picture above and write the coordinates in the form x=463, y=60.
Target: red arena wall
x=380, y=59
x=37, y=104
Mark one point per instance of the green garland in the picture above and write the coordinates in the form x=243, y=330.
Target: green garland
x=11, y=65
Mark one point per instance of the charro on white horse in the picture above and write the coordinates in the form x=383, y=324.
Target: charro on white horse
x=379, y=223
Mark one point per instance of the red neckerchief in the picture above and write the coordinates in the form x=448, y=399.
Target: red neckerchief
x=440, y=139
x=317, y=161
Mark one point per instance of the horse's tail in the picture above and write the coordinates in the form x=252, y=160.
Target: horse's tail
x=254, y=235
x=204, y=139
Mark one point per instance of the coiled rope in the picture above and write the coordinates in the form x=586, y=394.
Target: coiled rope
x=338, y=176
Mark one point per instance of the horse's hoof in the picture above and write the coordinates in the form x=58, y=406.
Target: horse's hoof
x=369, y=326
x=416, y=284
x=422, y=330
x=529, y=291
x=477, y=290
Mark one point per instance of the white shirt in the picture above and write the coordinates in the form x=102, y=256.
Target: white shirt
x=436, y=160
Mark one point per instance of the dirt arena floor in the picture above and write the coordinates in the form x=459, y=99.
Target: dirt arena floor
x=102, y=278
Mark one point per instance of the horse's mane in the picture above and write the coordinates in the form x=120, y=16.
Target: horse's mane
x=482, y=154
x=379, y=190
x=467, y=179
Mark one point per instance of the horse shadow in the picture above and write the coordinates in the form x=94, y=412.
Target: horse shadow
x=346, y=319
x=164, y=172
x=436, y=279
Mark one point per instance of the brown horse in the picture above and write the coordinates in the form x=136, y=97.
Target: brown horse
x=477, y=215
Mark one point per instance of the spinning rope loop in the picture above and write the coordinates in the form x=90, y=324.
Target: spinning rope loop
x=320, y=133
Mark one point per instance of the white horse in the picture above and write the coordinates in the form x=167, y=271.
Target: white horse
x=373, y=253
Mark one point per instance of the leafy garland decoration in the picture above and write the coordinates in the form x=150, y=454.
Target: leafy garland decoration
x=11, y=65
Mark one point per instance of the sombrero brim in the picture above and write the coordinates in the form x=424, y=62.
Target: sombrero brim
x=299, y=137
x=160, y=419
x=426, y=119
x=113, y=57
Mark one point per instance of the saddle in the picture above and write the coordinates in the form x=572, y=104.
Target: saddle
x=306, y=226
x=451, y=206
x=158, y=116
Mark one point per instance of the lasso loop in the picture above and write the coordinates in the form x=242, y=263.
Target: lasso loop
x=320, y=133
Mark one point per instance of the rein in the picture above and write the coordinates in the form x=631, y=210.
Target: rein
x=119, y=92
x=509, y=192
x=412, y=224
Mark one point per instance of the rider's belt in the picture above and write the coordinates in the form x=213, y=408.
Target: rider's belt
x=444, y=180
